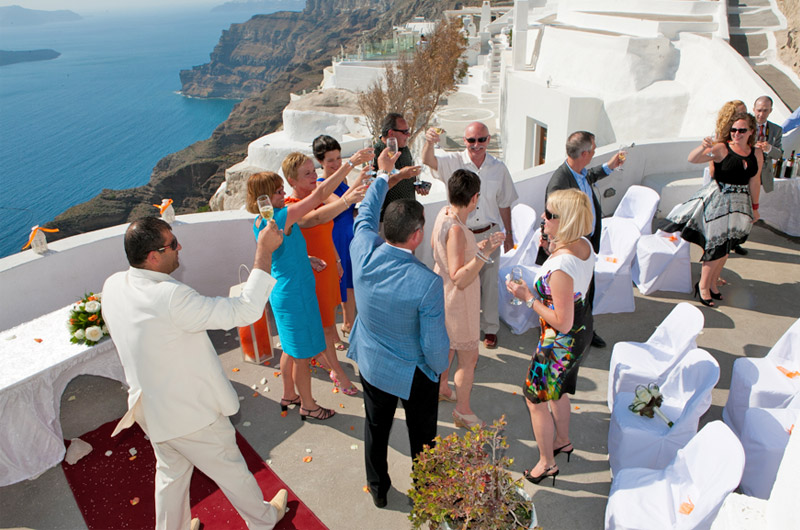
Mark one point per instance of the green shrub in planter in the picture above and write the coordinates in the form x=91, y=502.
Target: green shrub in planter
x=462, y=481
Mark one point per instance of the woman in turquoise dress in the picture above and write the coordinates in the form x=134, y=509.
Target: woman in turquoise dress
x=293, y=299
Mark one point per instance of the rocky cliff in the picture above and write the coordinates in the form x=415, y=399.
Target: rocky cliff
x=289, y=51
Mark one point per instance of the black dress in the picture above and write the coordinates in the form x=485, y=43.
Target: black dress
x=719, y=216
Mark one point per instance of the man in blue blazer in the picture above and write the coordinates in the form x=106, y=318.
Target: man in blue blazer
x=399, y=339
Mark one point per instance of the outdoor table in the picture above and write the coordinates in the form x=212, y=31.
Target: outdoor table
x=781, y=207
x=37, y=361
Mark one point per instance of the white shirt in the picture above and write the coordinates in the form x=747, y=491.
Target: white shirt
x=497, y=188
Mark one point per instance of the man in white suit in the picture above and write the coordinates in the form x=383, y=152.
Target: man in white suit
x=179, y=393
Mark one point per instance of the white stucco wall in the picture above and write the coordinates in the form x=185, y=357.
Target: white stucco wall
x=357, y=75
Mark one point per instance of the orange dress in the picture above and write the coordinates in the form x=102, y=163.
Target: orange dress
x=319, y=243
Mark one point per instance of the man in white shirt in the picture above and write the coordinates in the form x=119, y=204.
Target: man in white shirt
x=179, y=393
x=492, y=214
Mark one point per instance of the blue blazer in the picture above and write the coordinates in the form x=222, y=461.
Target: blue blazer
x=400, y=323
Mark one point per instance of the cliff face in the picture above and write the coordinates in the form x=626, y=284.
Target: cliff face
x=271, y=55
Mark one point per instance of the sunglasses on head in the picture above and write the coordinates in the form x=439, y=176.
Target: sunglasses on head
x=549, y=215
x=173, y=245
x=479, y=140
x=740, y=131
x=402, y=131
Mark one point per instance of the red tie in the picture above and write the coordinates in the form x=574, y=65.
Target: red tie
x=761, y=130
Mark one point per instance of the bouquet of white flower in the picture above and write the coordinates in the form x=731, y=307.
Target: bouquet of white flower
x=86, y=321
x=646, y=402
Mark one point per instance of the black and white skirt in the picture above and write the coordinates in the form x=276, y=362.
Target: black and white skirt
x=717, y=218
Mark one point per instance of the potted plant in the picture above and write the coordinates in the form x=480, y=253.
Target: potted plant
x=462, y=482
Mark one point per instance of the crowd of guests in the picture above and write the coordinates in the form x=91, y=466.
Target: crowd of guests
x=406, y=323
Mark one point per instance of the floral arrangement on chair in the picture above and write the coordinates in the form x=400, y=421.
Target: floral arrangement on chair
x=86, y=321
x=646, y=402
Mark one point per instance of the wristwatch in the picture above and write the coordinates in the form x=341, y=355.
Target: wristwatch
x=530, y=302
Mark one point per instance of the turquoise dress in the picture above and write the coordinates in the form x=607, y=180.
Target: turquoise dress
x=294, y=299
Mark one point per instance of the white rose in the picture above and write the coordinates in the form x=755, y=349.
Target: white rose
x=642, y=394
x=94, y=333
x=79, y=334
x=92, y=306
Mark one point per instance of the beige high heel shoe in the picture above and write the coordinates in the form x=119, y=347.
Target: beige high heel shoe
x=467, y=420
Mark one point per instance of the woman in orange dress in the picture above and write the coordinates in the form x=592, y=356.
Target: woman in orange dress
x=317, y=230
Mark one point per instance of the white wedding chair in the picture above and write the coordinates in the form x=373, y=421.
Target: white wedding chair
x=770, y=382
x=639, y=204
x=765, y=435
x=636, y=363
x=638, y=441
x=662, y=263
x=687, y=494
x=519, y=317
x=523, y=221
x=742, y=512
x=613, y=283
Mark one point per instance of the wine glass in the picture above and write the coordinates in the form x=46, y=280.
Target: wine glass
x=516, y=277
x=265, y=207
x=391, y=144
x=437, y=127
x=622, y=154
x=368, y=144
x=713, y=138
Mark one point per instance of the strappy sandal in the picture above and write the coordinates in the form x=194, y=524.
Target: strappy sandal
x=346, y=331
x=340, y=346
x=351, y=391
x=286, y=402
x=318, y=413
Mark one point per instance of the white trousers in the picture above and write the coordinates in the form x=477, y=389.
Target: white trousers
x=214, y=451
x=490, y=297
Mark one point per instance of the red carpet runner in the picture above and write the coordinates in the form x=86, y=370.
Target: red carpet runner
x=116, y=492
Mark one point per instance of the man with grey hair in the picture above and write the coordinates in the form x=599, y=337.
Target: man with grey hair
x=573, y=174
x=492, y=214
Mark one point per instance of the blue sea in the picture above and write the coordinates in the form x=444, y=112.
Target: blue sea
x=103, y=113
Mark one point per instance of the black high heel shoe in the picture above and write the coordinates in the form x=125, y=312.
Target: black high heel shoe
x=544, y=475
x=561, y=450
x=318, y=413
x=286, y=402
x=705, y=301
x=716, y=296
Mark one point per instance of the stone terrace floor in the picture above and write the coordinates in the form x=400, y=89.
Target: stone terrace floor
x=761, y=303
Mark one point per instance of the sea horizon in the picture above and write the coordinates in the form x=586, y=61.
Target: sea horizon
x=102, y=114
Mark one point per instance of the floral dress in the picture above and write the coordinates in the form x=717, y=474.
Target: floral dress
x=558, y=354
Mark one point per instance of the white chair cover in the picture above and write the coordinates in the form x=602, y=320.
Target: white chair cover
x=741, y=512
x=686, y=494
x=662, y=263
x=518, y=317
x=636, y=363
x=523, y=221
x=639, y=204
x=613, y=283
x=765, y=434
x=763, y=383
x=638, y=441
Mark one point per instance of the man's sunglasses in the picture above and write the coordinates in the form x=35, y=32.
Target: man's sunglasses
x=173, y=246
x=550, y=215
x=403, y=131
x=479, y=140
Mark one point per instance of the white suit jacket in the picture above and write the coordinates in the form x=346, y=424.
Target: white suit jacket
x=158, y=324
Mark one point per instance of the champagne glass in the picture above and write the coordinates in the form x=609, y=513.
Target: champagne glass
x=437, y=127
x=516, y=277
x=368, y=144
x=713, y=138
x=622, y=154
x=265, y=207
x=391, y=143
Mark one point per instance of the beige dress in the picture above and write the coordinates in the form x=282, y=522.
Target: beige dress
x=462, y=307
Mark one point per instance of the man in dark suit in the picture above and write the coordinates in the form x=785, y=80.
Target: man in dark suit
x=768, y=136
x=573, y=174
x=399, y=338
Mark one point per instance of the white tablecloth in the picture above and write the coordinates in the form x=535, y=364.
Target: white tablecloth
x=33, y=375
x=781, y=207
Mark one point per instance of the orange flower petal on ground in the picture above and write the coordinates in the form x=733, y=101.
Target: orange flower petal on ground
x=335, y=390
x=341, y=405
x=577, y=407
x=134, y=501
x=284, y=414
x=255, y=394
x=687, y=507
x=276, y=374
x=132, y=458
x=307, y=459
x=352, y=428
x=38, y=340
x=366, y=489
x=235, y=370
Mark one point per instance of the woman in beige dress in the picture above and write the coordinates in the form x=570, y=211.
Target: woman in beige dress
x=458, y=261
